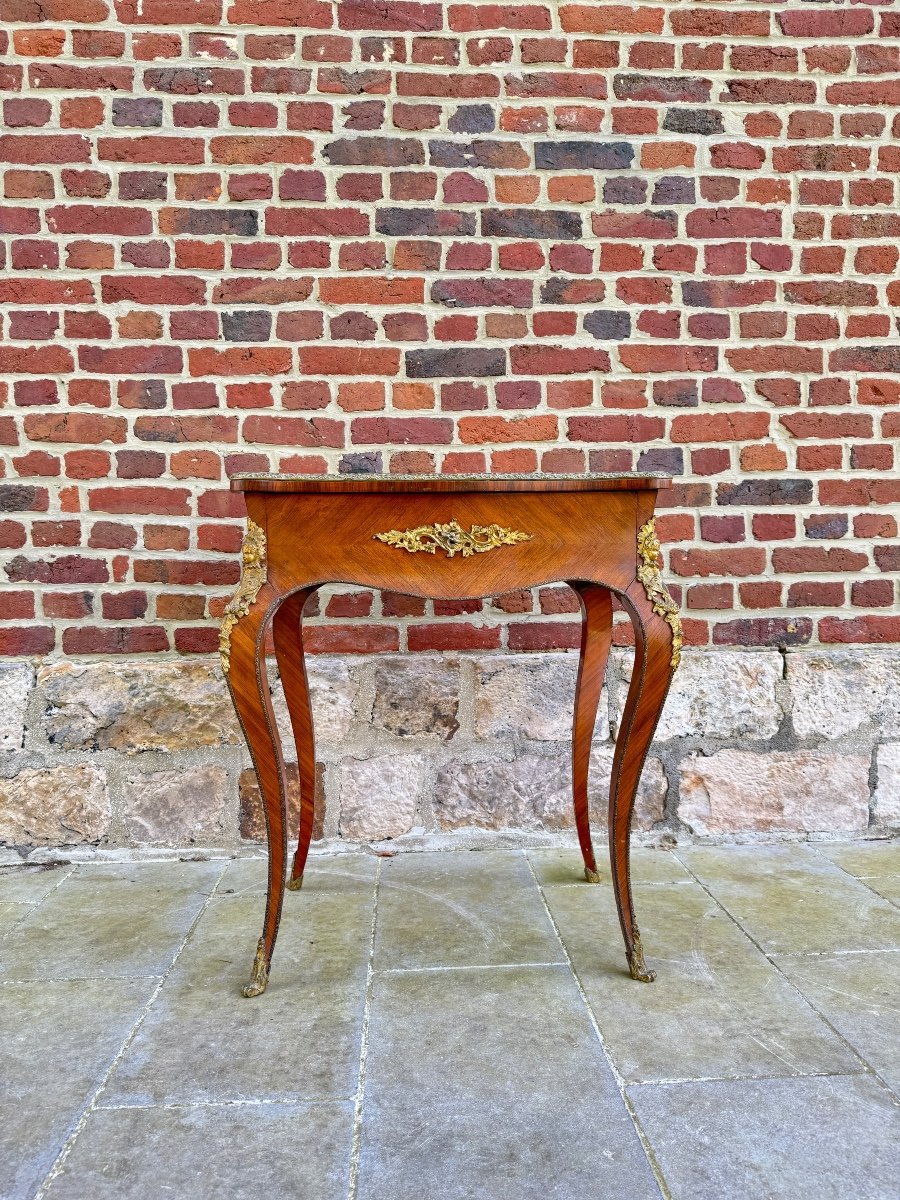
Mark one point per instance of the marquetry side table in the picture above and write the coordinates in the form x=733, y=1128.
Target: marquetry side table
x=449, y=538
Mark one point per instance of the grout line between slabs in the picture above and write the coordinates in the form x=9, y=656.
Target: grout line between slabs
x=619, y=1079
x=356, y=1142
x=243, y=1102
x=507, y=966
x=66, y=1150
x=796, y=1077
x=867, y=1066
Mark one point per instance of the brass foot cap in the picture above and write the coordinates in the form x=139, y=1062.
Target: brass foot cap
x=294, y=884
x=641, y=973
x=636, y=965
x=591, y=876
x=259, y=974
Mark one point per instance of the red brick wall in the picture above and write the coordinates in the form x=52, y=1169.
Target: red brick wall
x=440, y=237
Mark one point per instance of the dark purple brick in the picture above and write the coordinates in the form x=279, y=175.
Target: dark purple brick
x=473, y=118
x=353, y=327
x=608, y=325
x=583, y=156
x=202, y=221
x=455, y=362
x=18, y=497
x=137, y=112
x=424, y=222
x=195, y=81
x=826, y=525
x=624, y=190
x=139, y=464
x=674, y=189
x=253, y=325
x=661, y=460
x=360, y=464
x=704, y=121
x=482, y=152
x=530, y=223
x=762, y=493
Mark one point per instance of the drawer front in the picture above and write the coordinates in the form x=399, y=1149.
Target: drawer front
x=452, y=546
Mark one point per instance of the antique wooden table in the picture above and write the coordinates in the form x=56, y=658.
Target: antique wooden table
x=449, y=538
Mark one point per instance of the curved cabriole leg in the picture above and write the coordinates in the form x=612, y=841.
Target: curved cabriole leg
x=288, y=634
x=656, y=656
x=244, y=662
x=596, y=636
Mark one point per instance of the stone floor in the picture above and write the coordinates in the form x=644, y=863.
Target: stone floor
x=455, y=1025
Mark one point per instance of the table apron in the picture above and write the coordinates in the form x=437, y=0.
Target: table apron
x=313, y=539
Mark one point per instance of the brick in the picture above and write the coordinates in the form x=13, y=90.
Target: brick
x=84, y=12
x=461, y=362
x=321, y=223
x=151, y=149
x=733, y=223
x=400, y=16
x=611, y=18
x=167, y=12
x=375, y=152
x=313, y=14
x=661, y=88
x=156, y=290
x=261, y=149
x=583, y=156
x=527, y=223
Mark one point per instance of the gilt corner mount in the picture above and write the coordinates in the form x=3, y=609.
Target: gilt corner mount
x=657, y=592
x=253, y=576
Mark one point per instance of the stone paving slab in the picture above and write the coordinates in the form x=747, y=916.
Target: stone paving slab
x=860, y=995
x=490, y=1084
x=12, y=914
x=57, y=1042
x=29, y=885
x=863, y=859
x=826, y=1138
x=876, y=864
x=328, y=873
x=717, y=1008
x=793, y=901
x=456, y=1054
x=461, y=909
x=204, y=1042
x=107, y=921
x=247, y=1151
x=556, y=867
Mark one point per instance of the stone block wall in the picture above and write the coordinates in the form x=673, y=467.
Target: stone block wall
x=149, y=755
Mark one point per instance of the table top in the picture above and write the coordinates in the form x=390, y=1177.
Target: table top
x=274, y=482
